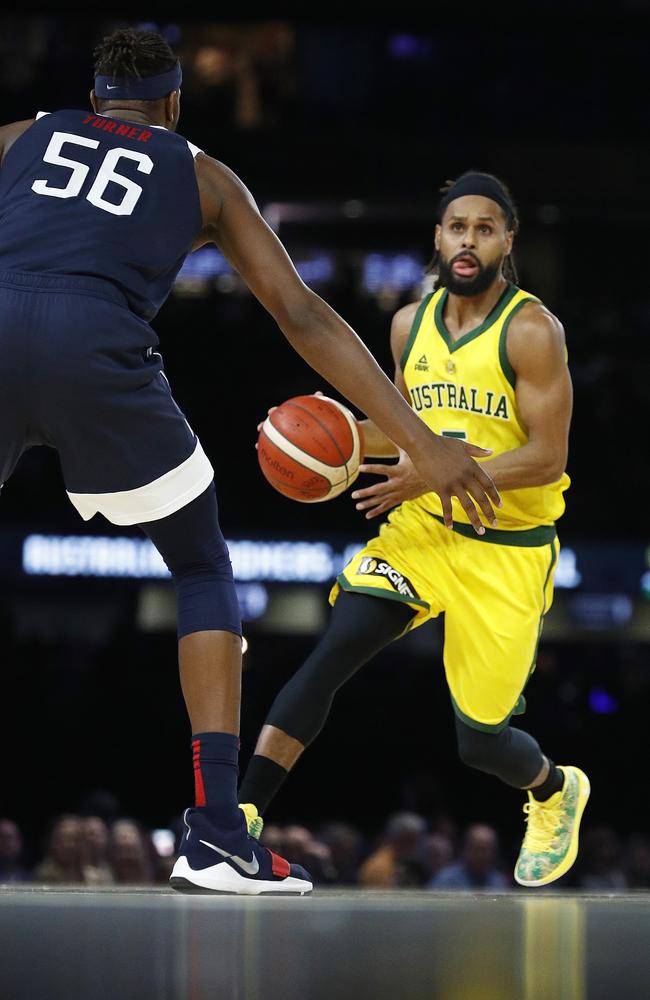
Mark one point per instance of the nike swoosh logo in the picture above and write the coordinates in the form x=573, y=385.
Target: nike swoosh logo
x=113, y=87
x=250, y=867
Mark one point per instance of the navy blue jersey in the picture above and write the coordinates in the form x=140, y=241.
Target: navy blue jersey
x=86, y=194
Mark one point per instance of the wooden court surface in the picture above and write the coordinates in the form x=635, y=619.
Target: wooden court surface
x=136, y=944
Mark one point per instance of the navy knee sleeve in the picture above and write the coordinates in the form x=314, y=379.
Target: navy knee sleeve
x=511, y=755
x=195, y=552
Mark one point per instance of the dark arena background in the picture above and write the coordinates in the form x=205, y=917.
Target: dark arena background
x=344, y=132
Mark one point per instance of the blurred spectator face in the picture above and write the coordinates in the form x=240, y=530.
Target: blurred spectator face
x=273, y=838
x=298, y=843
x=214, y=65
x=405, y=832
x=480, y=851
x=130, y=857
x=66, y=842
x=438, y=852
x=297, y=837
x=344, y=843
x=446, y=827
x=303, y=848
x=95, y=834
x=101, y=803
x=11, y=842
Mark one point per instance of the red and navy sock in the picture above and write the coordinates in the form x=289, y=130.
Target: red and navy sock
x=216, y=757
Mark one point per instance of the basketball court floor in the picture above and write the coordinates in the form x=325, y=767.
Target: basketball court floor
x=135, y=944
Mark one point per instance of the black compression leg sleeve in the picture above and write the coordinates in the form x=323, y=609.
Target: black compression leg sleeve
x=511, y=755
x=263, y=780
x=360, y=626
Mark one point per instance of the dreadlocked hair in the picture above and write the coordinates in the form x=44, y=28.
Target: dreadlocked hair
x=512, y=225
x=131, y=54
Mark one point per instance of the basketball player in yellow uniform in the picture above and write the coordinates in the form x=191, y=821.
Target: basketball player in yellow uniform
x=482, y=360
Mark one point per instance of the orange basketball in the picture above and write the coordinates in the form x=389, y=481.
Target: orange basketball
x=310, y=447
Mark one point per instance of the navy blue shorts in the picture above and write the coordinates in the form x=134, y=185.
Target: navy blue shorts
x=79, y=372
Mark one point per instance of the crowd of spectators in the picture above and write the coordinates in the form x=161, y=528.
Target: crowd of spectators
x=87, y=850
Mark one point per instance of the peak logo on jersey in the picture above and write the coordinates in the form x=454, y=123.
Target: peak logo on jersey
x=422, y=365
x=375, y=567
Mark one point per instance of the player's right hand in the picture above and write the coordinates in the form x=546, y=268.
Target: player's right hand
x=450, y=471
x=262, y=422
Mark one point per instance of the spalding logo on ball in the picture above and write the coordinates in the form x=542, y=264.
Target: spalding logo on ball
x=310, y=448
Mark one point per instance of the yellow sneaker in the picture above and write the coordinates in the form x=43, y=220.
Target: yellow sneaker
x=254, y=821
x=551, y=842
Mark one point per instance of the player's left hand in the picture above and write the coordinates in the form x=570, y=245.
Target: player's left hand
x=403, y=482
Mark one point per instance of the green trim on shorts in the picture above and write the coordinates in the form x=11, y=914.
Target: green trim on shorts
x=543, y=534
x=520, y=704
x=552, y=563
x=379, y=592
x=484, y=727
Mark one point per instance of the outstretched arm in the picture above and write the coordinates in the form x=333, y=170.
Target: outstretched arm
x=233, y=222
x=378, y=444
x=403, y=481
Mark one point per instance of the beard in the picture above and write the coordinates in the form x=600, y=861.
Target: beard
x=467, y=287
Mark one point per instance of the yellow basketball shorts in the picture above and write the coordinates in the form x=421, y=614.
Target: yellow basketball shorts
x=494, y=590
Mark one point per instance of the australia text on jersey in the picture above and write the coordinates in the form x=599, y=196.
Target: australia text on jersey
x=450, y=396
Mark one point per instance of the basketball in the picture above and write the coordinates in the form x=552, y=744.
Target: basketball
x=309, y=448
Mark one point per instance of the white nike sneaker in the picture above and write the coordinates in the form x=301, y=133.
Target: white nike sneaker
x=208, y=862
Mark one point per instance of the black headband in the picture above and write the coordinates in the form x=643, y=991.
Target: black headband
x=148, y=88
x=480, y=184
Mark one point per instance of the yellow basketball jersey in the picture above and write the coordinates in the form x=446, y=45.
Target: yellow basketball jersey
x=466, y=389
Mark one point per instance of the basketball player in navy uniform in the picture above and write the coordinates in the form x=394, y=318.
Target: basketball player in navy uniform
x=98, y=210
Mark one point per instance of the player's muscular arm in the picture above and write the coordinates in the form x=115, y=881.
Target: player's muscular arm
x=377, y=444
x=537, y=352
x=232, y=221
x=403, y=481
x=9, y=134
